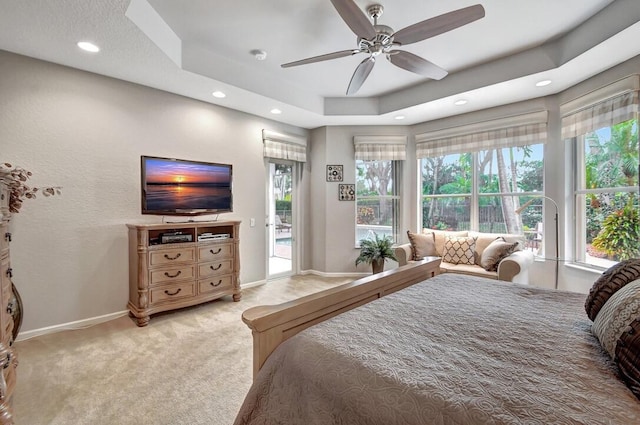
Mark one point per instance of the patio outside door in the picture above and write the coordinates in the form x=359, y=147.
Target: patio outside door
x=280, y=219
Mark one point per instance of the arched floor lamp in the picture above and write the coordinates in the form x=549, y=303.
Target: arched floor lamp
x=529, y=202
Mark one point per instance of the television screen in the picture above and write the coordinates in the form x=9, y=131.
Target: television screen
x=182, y=187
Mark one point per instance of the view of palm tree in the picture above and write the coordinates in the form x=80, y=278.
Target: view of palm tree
x=609, y=195
x=501, y=184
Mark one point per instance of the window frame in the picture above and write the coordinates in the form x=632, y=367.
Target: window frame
x=396, y=198
x=476, y=195
x=579, y=194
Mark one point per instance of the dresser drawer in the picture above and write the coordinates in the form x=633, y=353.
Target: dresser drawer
x=172, y=292
x=170, y=256
x=172, y=274
x=215, y=269
x=215, y=284
x=215, y=252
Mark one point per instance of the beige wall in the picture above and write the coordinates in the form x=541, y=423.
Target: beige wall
x=86, y=133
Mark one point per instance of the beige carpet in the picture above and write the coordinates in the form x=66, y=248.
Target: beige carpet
x=192, y=366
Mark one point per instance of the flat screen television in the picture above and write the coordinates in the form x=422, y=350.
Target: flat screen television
x=181, y=187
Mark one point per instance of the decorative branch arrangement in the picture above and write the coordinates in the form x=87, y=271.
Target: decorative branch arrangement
x=16, y=178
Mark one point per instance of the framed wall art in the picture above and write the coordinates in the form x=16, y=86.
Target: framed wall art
x=347, y=192
x=334, y=173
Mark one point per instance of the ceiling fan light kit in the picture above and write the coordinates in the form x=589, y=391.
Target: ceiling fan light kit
x=375, y=40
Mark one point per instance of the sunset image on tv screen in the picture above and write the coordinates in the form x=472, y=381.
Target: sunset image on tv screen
x=161, y=171
x=171, y=185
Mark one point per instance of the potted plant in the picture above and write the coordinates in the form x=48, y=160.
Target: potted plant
x=16, y=180
x=375, y=251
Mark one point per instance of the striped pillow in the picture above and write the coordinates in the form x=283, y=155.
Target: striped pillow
x=616, y=314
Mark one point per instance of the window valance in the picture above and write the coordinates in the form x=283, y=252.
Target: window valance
x=380, y=148
x=284, y=146
x=520, y=130
x=606, y=113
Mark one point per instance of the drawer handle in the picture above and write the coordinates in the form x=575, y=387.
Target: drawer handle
x=172, y=258
x=7, y=236
x=10, y=272
x=6, y=365
x=215, y=284
x=215, y=268
x=10, y=308
x=174, y=275
x=217, y=252
x=173, y=293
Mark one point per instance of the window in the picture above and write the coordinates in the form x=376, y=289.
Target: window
x=377, y=199
x=446, y=191
x=484, y=190
x=602, y=128
x=606, y=195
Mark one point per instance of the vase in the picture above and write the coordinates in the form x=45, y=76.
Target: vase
x=377, y=266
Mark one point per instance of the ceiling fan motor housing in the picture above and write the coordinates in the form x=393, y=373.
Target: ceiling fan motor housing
x=381, y=43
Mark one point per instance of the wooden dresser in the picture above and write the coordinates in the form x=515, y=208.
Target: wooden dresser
x=175, y=265
x=8, y=360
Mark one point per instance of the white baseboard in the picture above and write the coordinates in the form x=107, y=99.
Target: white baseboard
x=78, y=324
x=85, y=323
x=252, y=284
x=325, y=274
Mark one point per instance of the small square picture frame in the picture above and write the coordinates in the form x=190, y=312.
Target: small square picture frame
x=335, y=173
x=347, y=192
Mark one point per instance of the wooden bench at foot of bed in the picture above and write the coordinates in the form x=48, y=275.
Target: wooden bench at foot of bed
x=273, y=324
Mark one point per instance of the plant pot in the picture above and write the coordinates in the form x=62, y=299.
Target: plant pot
x=377, y=266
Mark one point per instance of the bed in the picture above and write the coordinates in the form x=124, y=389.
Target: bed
x=451, y=349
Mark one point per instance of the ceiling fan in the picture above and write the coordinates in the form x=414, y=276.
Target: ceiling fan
x=375, y=40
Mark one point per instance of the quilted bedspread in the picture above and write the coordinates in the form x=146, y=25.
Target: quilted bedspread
x=453, y=349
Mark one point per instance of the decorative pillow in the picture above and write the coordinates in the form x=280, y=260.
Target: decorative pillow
x=422, y=245
x=628, y=355
x=616, y=315
x=606, y=285
x=459, y=250
x=495, y=252
x=439, y=236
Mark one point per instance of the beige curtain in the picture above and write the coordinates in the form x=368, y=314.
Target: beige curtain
x=602, y=114
x=284, y=146
x=520, y=130
x=380, y=148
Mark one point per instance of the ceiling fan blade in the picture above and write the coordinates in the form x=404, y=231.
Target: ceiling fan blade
x=360, y=75
x=355, y=18
x=328, y=56
x=438, y=25
x=413, y=63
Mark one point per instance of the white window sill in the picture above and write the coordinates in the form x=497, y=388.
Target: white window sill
x=586, y=268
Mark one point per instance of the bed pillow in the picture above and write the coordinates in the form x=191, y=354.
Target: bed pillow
x=616, y=315
x=459, y=250
x=617, y=327
x=608, y=283
x=628, y=355
x=422, y=245
x=495, y=252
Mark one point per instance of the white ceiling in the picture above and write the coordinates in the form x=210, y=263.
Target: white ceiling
x=193, y=47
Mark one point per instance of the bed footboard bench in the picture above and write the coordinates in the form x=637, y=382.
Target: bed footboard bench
x=273, y=324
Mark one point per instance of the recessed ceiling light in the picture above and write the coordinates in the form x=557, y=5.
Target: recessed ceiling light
x=259, y=54
x=276, y=111
x=543, y=83
x=218, y=94
x=88, y=47
x=399, y=117
x=460, y=102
